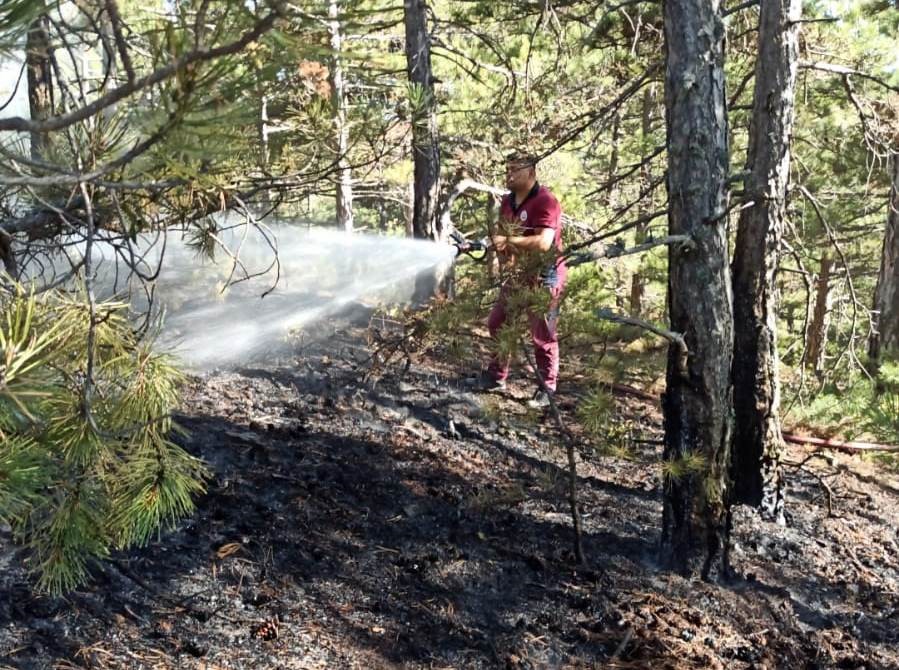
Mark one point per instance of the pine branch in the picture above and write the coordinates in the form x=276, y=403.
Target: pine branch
x=159, y=75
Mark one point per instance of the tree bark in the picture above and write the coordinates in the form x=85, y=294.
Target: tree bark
x=755, y=469
x=638, y=280
x=816, y=344
x=612, y=195
x=344, y=191
x=264, y=147
x=697, y=401
x=885, y=338
x=40, y=80
x=107, y=36
x=425, y=151
x=408, y=208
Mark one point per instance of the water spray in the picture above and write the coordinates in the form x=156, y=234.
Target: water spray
x=241, y=304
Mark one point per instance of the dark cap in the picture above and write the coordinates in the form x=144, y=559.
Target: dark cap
x=522, y=158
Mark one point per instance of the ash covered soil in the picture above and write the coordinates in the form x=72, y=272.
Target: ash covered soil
x=420, y=525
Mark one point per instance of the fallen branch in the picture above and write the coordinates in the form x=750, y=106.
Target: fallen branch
x=622, y=645
x=828, y=492
x=623, y=389
x=839, y=445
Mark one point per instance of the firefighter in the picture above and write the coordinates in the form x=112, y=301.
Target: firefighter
x=534, y=217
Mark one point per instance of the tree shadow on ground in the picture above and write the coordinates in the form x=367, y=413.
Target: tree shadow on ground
x=363, y=533
x=352, y=540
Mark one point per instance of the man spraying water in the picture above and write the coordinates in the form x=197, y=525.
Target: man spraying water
x=531, y=225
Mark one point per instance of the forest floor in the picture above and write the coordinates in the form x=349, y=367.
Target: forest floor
x=351, y=527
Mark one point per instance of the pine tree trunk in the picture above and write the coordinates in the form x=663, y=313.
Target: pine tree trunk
x=383, y=216
x=612, y=195
x=697, y=400
x=40, y=79
x=638, y=280
x=106, y=34
x=409, y=209
x=425, y=152
x=264, y=148
x=638, y=292
x=344, y=192
x=757, y=436
x=816, y=345
x=425, y=149
x=885, y=338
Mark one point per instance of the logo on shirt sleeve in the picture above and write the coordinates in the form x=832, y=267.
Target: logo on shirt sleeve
x=523, y=216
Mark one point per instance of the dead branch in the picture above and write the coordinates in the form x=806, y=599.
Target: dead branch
x=61, y=177
x=112, y=10
x=839, y=445
x=627, y=171
x=606, y=111
x=639, y=221
x=740, y=7
x=842, y=70
x=675, y=338
x=876, y=145
x=828, y=492
x=850, y=345
x=618, y=250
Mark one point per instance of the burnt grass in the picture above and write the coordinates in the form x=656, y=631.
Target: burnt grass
x=417, y=524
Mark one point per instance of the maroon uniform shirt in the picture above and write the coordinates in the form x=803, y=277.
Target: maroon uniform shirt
x=540, y=209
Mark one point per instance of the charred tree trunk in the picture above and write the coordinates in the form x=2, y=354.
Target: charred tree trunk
x=697, y=399
x=816, y=345
x=344, y=193
x=40, y=79
x=425, y=151
x=885, y=338
x=758, y=442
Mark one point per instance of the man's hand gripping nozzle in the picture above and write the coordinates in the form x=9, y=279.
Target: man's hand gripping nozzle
x=469, y=247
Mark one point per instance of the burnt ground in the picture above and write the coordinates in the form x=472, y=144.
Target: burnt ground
x=351, y=527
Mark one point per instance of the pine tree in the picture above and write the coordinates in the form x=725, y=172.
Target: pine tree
x=85, y=468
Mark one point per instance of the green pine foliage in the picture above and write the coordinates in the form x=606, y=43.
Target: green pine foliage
x=862, y=408
x=82, y=474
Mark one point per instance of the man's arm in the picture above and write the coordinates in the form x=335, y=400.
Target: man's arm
x=542, y=241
